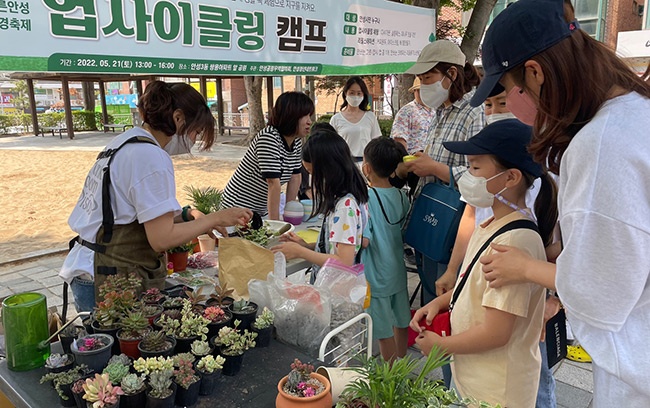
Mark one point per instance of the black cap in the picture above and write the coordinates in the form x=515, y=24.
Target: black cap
x=506, y=139
x=519, y=32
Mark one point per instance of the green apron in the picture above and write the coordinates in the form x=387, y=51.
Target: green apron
x=123, y=249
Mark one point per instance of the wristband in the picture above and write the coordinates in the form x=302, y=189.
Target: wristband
x=184, y=213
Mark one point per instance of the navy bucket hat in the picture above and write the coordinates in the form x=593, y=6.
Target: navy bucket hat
x=521, y=31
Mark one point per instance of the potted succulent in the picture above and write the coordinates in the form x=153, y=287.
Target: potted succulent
x=172, y=303
x=68, y=334
x=134, y=391
x=152, y=296
x=151, y=312
x=218, y=318
x=244, y=311
x=93, y=350
x=208, y=368
x=195, y=297
x=221, y=296
x=178, y=256
x=57, y=363
x=174, y=314
x=303, y=387
x=232, y=344
x=118, y=298
x=263, y=326
x=133, y=326
x=200, y=348
x=187, y=392
x=116, y=371
x=206, y=200
x=101, y=393
x=78, y=392
x=160, y=371
x=156, y=343
x=189, y=328
x=63, y=383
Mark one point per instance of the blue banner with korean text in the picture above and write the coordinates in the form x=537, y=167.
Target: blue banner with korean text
x=212, y=37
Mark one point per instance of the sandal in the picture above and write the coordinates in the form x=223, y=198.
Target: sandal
x=577, y=353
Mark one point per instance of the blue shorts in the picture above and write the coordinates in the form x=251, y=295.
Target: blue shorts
x=388, y=312
x=83, y=292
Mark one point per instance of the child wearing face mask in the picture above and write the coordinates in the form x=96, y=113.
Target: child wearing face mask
x=356, y=123
x=495, y=332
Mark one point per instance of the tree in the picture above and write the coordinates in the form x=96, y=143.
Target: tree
x=20, y=99
x=475, y=28
x=88, y=94
x=253, y=85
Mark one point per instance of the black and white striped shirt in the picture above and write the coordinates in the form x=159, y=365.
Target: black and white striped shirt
x=268, y=157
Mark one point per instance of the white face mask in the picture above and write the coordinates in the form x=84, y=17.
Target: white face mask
x=354, y=100
x=474, y=190
x=433, y=95
x=179, y=145
x=495, y=117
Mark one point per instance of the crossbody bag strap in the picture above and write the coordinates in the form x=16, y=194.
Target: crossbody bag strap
x=381, y=205
x=518, y=224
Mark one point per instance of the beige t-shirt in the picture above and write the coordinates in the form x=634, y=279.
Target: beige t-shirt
x=508, y=375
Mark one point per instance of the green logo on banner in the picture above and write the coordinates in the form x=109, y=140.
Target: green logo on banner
x=349, y=29
x=348, y=51
x=351, y=17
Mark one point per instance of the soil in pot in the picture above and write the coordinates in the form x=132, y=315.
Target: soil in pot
x=232, y=365
x=322, y=400
x=68, y=335
x=263, y=338
x=137, y=400
x=111, y=332
x=247, y=318
x=188, y=397
x=168, y=352
x=208, y=382
x=184, y=344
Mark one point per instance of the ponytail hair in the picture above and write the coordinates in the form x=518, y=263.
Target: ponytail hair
x=159, y=102
x=467, y=79
x=546, y=209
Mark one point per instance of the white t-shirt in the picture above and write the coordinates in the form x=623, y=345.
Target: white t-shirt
x=603, y=270
x=142, y=188
x=357, y=135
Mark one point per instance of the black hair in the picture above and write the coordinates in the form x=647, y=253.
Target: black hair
x=159, y=102
x=334, y=173
x=383, y=154
x=364, y=106
x=287, y=111
x=321, y=126
x=546, y=210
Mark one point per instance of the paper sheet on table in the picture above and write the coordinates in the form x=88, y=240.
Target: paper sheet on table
x=310, y=236
x=240, y=261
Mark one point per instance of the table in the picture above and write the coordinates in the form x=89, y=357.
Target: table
x=52, y=129
x=254, y=386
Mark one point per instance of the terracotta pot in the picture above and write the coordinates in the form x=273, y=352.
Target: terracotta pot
x=322, y=400
x=129, y=346
x=339, y=378
x=179, y=259
x=197, y=247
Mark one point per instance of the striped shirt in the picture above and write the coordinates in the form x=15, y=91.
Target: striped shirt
x=267, y=157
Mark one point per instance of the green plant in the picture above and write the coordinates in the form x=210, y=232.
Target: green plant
x=121, y=359
x=153, y=364
x=107, y=314
x=118, y=283
x=116, y=371
x=101, y=392
x=221, y=292
x=299, y=382
x=155, y=341
x=172, y=302
x=242, y=306
x=206, y=200
x=200, y=348
x=209, y=363
x=233, y=342
x=190, y=325
x=264, y=320
x=185, y=375
x=56, y=360
x=149, y=310
x=385, y=125
x=134, y=325
x=65, y=378
x=152, y=295
x=181, y=248
x=132, y=384
x=160, y=382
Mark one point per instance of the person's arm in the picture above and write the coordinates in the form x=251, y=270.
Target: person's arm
x=273, y=198
x=430, y=310
x=163, y=234
x=467, y=223
x=293, y=186
x=509, y=265
x=494, y=332
x=425, y=166
x=401, y=128
x=376, y=129
x=344, y=253
x=190, y=214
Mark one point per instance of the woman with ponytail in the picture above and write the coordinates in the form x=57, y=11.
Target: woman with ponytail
x=127, y=214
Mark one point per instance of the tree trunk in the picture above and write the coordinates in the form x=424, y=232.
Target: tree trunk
x=475, y=28
x=255, y=114
x=88, y=93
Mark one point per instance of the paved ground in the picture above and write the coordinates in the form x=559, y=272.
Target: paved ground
x=39, y=272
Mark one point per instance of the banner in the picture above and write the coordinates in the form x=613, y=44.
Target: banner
x=212, y=37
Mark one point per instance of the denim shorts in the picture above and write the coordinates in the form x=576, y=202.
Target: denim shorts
x=83, y=291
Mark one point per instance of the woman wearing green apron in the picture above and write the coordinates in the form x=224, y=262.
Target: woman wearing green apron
x=127, y=214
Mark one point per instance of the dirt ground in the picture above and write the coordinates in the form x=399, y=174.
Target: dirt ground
x=38, y=190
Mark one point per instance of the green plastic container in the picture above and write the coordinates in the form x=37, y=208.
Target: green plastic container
x=24, y=316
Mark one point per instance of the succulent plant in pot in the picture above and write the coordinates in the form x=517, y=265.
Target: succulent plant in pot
x=134, y=391
x=263, y=326
x=221, y=296
x=178, y=256
x=151, y=312
x=156, y=343
x=162, y=389
x=233, y=343
x=195, y=298
x=133, y=327
x=244, y=311
x=201, y=348
x=218, y=318
x=152, y=296
x=78, y=392
x=63, y=382
x=188, y=391
x=189, y=328
x=208, y=368
x=101, y=392
x=57, y=363
x=172, y=303
x=116, y=371
x=69, y=334
x=93, y=350
x=302, y=384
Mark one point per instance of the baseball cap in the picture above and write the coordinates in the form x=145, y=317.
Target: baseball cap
x=507, y=139
x=435, y=52
x=521, y=31
x=416, y=84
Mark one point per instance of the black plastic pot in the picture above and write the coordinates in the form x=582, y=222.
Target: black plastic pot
x=61, y=369
x=79, y=400
x=246, y=318
x=88, y=325
x=67, y=391
x=232, y=365
x=162, y=403
x=188, y=397
x=184, y=345
x=263, y=338
x=164, y=353
x=137, y=400
x=213, y=328
x=208, y=382
x=115, y=350
x=66, y=340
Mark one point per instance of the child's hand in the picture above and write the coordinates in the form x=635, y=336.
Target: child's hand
x=426, y=340
x=291, y=250
x=430, y=310
x=422, y=166
x=365, y=242
x=292, y=237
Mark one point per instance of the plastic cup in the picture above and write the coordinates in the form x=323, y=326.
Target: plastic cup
x=206, y=243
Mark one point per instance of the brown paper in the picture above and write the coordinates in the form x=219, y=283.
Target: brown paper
x=240, y=261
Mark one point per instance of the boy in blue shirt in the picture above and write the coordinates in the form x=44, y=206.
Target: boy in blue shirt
x=383, y=248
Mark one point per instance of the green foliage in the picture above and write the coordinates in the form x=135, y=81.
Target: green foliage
x=181, y=248
x=121, y=359
x=134, y=325
x=190, y=325
x=324, y=118
x=265, y=319
x=206, y=200
x=99, y=118
x=132, y=383
x=385, y=125
x=200, y=348
x=116, y=372
x=242, y=306
x=160, y=381
x=209, y=363
x=155, y=341
x=83, y=120
x=65, y=378
x=233, y=342
x=185, y=374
